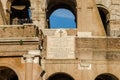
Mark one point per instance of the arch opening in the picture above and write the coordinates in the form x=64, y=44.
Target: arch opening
x=106, y=76
x=104, y=14
x=20, y=12
x=7, y=74
x=62, y=18
x=68, y=5
x=60, y=76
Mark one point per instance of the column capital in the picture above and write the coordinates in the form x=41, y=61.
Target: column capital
x=34, y=52
x=29, y=58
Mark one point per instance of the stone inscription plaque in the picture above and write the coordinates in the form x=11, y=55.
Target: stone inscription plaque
x=60, y=47
x=84, y=66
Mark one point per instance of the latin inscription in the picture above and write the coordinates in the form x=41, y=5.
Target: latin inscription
x=60, y=47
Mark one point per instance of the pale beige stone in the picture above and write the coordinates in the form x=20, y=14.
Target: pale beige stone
x=83, y=53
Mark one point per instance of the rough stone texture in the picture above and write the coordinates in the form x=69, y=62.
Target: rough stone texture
x=51, y=32
x=18, y=31
x=94, y=55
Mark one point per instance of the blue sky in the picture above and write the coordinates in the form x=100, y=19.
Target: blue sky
x=62, y=18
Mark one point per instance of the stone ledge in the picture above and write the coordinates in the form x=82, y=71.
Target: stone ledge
x=19, y=40
x=15, y=54
x=12, y=39
x=18, y=50
x=18, y=31
x=109, y=43
x=12, y=53
x=51, y=32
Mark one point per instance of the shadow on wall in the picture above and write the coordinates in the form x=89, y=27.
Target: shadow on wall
x=7, y=74
x=105, y=15
x=60, y=76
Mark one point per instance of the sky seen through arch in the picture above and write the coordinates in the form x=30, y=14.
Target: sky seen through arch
x=62, y=18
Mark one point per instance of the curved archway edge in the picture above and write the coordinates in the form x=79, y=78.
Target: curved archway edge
x=106, y=75
x=54, y=75
x=12, y=67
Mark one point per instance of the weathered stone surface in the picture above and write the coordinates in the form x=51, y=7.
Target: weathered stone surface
x=60, y=47
x=100, y=43
x=113, y=43
x=84, y=42
x=17, y=49
x=116, y=2
x=113, y=55
x=51, y=32
x=18, y=31
x=95, y=54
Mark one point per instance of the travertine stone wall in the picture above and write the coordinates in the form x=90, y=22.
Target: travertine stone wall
x=37, y=8
x=18, y=31
x=38, y=13
x=39, y=17
x=113, y=6
x=94, y=56
x=16, y=65
x=17, y=49
x=82, y=69
x=91, y=48
x=88, y=18
x=108, y=48
x=91, y=57
x=51, y=32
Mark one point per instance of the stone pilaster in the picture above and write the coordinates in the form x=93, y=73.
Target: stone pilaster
x=29, y=67
x=88, y=18
x=38, y=13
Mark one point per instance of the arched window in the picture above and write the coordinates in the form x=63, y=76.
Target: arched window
x=104, y=14
x=7, y=74
x=20, y=12
x=61, y=14
x=60, y=76
x=62, y=18
x=106, y=76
